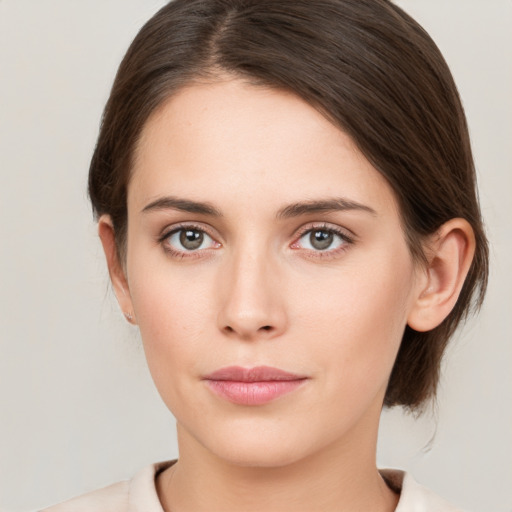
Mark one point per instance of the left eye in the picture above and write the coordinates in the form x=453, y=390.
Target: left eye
x=189, y=239
x=322, y=240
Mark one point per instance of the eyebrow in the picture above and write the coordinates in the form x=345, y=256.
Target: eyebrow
x=323, y=206
x=289, y=211
x=184, y=205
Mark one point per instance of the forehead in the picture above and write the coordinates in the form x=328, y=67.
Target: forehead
x=266, y=144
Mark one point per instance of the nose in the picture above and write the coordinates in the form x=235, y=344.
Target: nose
x=251, y=297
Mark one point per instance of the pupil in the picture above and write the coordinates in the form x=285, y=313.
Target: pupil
x=191, y=239
x=321, y=239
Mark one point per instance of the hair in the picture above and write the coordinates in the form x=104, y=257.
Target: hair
x=369, y=68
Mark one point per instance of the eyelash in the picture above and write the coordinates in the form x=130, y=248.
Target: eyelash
x=184, y=254
x=346, y=239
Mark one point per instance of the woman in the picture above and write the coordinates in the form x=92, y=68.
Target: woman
x=286, y=199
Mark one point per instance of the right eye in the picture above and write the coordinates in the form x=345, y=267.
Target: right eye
x=188, y=239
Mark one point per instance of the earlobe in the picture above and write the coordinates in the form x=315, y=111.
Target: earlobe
x=449, y=253
x=115, y=268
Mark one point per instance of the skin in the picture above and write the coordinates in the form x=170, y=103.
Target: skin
x=259, y=292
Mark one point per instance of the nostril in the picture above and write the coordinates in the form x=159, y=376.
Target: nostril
x=228, y=329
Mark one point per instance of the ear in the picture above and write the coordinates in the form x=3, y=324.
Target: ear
x=450, y=253
x=115, y=267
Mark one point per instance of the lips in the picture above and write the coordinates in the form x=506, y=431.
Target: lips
x=252, y=386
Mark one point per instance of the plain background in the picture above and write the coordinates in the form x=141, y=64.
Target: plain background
x=77, y=406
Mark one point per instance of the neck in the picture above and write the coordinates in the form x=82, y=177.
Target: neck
x=340, y=477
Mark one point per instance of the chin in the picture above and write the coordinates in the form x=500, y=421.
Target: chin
x=259, y=448
x=257, y=457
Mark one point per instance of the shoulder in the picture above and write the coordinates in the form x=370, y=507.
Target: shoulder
x=136, y=495
x=113, y=498
x=413, y=496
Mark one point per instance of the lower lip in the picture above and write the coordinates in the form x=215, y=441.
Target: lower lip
x=253, y=393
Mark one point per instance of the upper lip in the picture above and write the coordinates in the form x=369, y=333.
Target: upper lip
x=256, y=374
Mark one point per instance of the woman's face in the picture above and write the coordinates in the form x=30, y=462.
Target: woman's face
x=259, y=236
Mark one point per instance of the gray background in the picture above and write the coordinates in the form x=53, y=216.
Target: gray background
x=77, y=406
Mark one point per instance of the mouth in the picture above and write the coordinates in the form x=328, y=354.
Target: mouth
x=252, y=386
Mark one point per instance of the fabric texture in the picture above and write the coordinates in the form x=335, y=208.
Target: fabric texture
x=139, y=495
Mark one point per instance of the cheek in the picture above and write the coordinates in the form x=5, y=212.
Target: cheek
x=359, y=314
x=174, y=315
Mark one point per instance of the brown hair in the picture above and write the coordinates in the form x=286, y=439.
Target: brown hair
x=369, y=68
